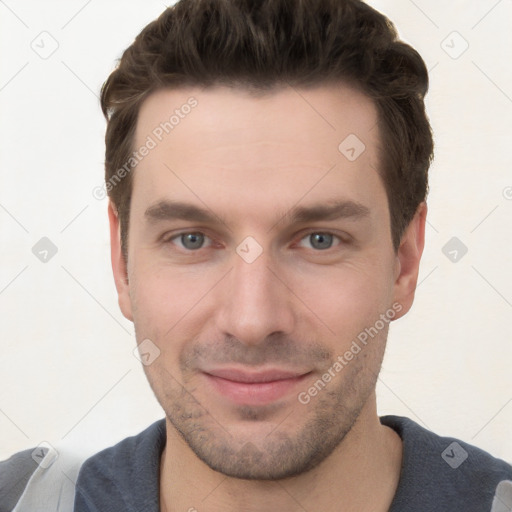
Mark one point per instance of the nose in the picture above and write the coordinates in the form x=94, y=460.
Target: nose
x=254, y=302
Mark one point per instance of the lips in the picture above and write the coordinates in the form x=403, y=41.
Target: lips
x=253, y=388
x=254, y=377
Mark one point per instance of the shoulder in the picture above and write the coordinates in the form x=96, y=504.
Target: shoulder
x=135, y=448
x=49, y=478
x=124, y=473
x=15, y=474
x=40, y=478
x=444, y=473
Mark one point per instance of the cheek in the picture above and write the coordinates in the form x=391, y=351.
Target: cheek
x=155, y=302
x=164, y=301
x=349, y=298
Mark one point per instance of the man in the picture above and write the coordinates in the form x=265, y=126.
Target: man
x=266, y=164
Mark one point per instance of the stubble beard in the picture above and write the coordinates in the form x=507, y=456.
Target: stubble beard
x=285, y=451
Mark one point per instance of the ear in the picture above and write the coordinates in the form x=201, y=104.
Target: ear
x=408, y=260
x=119, y=265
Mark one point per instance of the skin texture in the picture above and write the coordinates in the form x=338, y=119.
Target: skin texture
x=250, y=162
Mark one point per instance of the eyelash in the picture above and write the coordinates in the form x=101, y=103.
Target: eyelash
x=305, y=235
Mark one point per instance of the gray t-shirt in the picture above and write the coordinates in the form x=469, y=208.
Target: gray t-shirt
x=439, y=474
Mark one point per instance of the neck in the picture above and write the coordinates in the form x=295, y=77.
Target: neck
x=361, y=474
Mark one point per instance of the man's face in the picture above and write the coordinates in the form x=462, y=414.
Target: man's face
x=259, y=250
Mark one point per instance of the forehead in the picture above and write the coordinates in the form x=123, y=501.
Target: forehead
x=283, y=113
x=252, y=151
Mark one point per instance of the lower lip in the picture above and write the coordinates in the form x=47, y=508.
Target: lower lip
x=258, y=393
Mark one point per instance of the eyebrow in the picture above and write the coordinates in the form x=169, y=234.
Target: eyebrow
x=172, y=210
x=332, y=210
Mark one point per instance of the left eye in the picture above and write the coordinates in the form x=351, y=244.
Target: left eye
x=191, y=241
x=319, y=240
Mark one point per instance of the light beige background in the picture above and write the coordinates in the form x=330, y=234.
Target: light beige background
x=67, y=371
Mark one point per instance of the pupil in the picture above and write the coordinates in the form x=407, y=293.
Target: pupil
x=321, y=240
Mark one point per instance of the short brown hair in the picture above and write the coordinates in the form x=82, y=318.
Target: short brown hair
x=262, y=44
